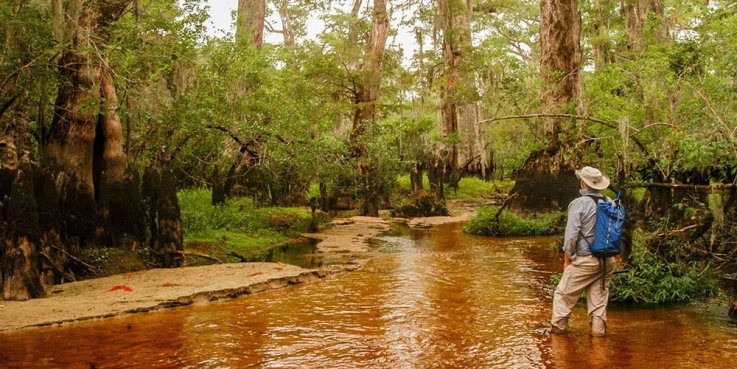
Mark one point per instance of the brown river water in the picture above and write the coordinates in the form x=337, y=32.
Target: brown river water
x=429, y=299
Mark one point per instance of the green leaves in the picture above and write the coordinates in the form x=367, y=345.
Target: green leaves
x=510, y=224
x=654, y=280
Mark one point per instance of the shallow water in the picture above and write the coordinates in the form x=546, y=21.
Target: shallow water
x=433, y=299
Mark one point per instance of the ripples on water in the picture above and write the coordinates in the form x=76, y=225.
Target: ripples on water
x=434, y=299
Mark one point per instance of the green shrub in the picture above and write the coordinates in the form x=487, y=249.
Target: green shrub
x=657, y=281
x=511, y=224
x=420, y=203
x=652, y=280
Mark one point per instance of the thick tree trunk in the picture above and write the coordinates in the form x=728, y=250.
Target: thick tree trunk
x=20, y=270
x=50, y=219
x=118, y=195
x=250, y=26
x=459, y=108
x=546, y=181
x=366, y=106
x=164, y=217
x=171, y=237
x=8, y=168
x=70, y=149
x=560, y=60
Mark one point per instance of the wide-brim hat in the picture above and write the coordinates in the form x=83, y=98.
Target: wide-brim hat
x=593, y=178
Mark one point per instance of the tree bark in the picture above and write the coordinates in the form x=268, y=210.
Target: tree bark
x=286, y=23
x=118, y=196
x=20, y=270
x=250, y=26
x=560, y=60
x=600, y=45
x=164, y=215
x=547, y=181
x=366, y=106
x=70, y=149
x=458, y=96
x=635, y=15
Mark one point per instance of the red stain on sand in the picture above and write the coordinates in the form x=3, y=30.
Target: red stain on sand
x=121, y=287
x=278, y=268
x=255, y=274
x=169, y=284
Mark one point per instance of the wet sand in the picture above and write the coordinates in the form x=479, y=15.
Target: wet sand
x=156, y=289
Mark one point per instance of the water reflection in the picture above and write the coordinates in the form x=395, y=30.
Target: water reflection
x=436, y=298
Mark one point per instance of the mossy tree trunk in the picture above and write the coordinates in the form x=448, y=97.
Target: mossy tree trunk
x=546, y=181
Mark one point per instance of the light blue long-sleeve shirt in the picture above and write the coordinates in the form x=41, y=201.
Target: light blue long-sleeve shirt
x=580, y=226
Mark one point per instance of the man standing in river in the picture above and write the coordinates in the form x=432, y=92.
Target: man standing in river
x=581, y=270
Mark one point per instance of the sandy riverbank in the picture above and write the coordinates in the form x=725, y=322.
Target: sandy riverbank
x=165, y=288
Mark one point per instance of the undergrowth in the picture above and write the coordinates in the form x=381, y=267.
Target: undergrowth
x=469, y=188
x=510, y=224
x=239, y=225
x=654, y=280
x=419, y=203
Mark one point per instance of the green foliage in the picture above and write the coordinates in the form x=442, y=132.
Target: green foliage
x=238, y=215
x=653, y=279
x=238, y=226
x=473, y=188
x=469, y=188
x=420, y=203
x=510, y=224
x=657, y=281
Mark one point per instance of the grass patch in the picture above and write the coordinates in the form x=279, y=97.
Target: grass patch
x=221, y=244
x=469, y=188
x=239, y=225
x=472, y=188
x=510, y=224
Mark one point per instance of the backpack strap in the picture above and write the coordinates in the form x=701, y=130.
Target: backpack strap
x=596, y=202
x=602, y=260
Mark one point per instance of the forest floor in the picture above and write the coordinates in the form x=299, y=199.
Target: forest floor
x=156, y=289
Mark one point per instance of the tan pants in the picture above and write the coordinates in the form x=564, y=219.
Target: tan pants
x=583, y=275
